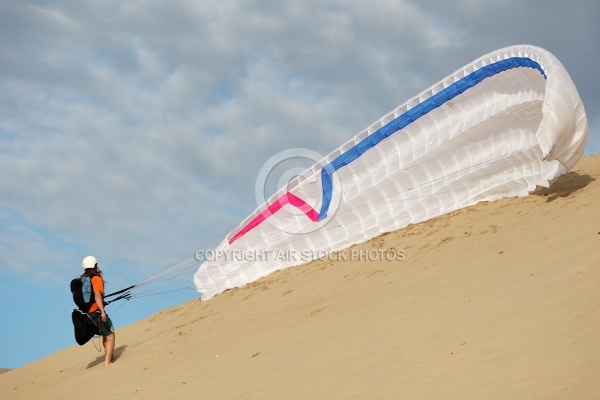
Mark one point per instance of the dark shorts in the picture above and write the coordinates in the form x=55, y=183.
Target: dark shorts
x=106, y=327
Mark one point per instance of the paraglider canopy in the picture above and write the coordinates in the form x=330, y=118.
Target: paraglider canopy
x=501, y=126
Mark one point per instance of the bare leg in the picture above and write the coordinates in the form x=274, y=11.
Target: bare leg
x=109, y=346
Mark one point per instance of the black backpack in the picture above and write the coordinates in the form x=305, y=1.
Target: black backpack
x=83, y=293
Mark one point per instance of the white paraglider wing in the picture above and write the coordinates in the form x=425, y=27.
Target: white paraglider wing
x=501, y=126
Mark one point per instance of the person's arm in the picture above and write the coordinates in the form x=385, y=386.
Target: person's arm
x=100, y=302
x=98, y=286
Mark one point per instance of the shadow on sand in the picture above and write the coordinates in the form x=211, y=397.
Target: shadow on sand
x=565, y=185
x=116, y=354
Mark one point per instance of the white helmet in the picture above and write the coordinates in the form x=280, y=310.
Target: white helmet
x=89, y=262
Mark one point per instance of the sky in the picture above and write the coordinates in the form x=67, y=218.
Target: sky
x=134, y=131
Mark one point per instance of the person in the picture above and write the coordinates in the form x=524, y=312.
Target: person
x=97, y=311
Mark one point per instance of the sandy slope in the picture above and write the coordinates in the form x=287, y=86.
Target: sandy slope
x=499, y=300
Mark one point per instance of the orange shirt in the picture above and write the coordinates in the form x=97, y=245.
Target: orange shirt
x=97, y=286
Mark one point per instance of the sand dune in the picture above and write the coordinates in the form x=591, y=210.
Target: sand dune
x=496, y=301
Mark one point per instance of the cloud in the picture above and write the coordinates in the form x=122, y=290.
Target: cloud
x=135, y=130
